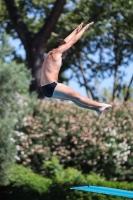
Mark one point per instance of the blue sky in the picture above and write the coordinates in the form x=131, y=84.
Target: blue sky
x=107, y=83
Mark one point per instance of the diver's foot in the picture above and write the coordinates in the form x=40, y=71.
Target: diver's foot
x=103, y=107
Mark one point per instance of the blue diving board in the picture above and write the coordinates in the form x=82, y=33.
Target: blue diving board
x=105, y=190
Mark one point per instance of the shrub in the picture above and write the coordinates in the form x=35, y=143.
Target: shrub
x=79, y=138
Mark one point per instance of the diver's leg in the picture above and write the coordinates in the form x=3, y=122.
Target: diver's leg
x=65, y=92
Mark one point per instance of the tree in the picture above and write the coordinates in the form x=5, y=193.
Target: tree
x=14, y=86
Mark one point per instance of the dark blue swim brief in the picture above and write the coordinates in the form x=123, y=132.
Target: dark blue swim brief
x=48, y=89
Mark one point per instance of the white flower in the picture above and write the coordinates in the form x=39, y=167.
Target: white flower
x=108, y=144
x=17, y=158
x=18, y=147
x=12, y=139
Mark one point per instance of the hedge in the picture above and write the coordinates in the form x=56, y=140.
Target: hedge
x=26, y=185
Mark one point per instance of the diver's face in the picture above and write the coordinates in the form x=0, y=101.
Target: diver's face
x=64, y=54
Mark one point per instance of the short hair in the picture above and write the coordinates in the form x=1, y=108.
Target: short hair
x=59, y=42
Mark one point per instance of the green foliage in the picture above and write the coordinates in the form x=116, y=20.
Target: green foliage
x=79, y=139
x=5, y=47
x=14, y=105
x=52, y=167
x=25, y=178
x=25, y=185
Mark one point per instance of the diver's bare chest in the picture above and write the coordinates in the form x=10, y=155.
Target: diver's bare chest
x=56, y=64
x=52, y=63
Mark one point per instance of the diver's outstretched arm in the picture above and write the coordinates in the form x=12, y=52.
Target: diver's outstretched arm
x=72, y=41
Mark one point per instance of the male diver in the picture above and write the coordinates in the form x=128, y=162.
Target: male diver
x=50, y=70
